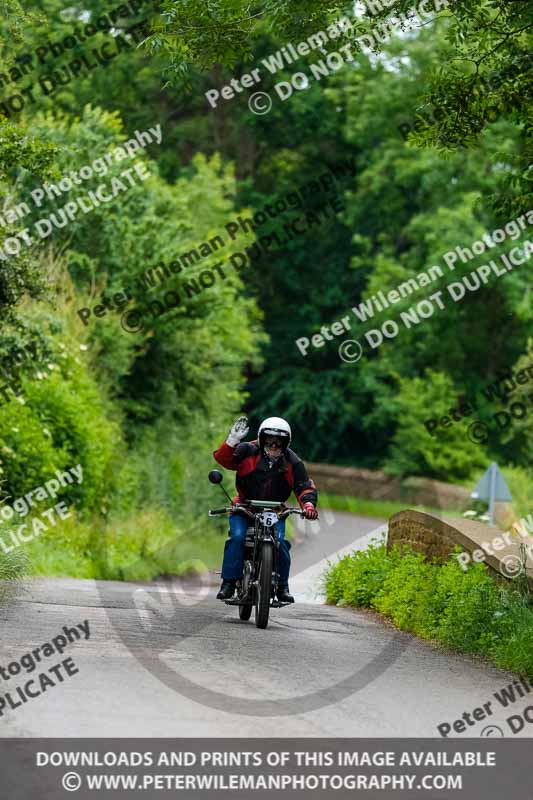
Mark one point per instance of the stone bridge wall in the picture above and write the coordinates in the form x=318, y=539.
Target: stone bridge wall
x=435, y=537
x=376, y=485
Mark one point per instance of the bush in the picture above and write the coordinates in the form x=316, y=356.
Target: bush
x=465, y=610
x=60, y=421
x=355, y=580
x=405, y=593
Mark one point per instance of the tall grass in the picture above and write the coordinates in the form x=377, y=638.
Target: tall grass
x=13, y=567
x=139, y=546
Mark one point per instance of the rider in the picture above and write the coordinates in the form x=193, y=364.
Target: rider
x=267, y=469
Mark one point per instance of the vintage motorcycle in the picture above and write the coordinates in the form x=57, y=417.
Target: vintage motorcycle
x=257, y=587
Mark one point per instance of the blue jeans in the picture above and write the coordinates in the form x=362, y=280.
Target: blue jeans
x=234, y=549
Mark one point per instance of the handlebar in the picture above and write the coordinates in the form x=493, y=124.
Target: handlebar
x=267, y=505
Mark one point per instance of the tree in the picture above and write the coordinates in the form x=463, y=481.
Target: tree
x=405, y=208
x=196, y=35
x=417, y=448
x=488, y=77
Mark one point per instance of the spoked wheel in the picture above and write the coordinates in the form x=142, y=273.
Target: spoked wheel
x=245, y=612
x=264, y=587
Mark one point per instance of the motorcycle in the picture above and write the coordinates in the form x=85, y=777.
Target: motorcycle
x=256, y=589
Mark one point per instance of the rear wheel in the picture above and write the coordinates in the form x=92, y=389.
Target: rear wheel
x=264, y=586
x=245, y=612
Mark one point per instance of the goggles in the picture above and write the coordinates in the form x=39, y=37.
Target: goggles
x=273, y=441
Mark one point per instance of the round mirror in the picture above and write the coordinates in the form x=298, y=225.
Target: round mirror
x=215, y=476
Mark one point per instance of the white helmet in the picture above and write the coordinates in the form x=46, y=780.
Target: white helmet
x=275, y=426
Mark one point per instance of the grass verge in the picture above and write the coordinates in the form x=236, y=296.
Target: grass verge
x=464, y=610
x=131, y=548
x=138, y=547
x=381, y=509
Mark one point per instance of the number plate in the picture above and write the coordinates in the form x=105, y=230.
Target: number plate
x=268, y=518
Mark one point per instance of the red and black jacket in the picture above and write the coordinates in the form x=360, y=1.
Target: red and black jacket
x=257, y=481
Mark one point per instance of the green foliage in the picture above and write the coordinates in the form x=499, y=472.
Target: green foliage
x=142, y=413
x=519, y=435
x=464, y=610
x=519, y=482
x=356, y=579
x=489, y=78
x=19, y=275
x=404, y=591
x=127, y=407
x=129, y=547
x=58, y=422
x=483, y=74
x=405, y=208
x=199, y=35
x=414, y=448
x=381, y=509
x=467, y=608
x=13, y=566
x=16, y=21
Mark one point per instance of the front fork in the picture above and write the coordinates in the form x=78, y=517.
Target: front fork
x=249, y=581
x=275, y=571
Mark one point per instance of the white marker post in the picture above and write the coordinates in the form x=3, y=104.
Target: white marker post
x=492, y=487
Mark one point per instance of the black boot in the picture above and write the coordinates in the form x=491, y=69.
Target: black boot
x=283, y=594
x=227, y=590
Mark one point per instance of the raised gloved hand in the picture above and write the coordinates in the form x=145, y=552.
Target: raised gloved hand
x=238, y=431
x=310, y=511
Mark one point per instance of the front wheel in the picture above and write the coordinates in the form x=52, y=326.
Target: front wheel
x=245, y=612
x=264, y=586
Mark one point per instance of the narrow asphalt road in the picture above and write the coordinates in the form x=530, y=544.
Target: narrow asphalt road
x=166, y=659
